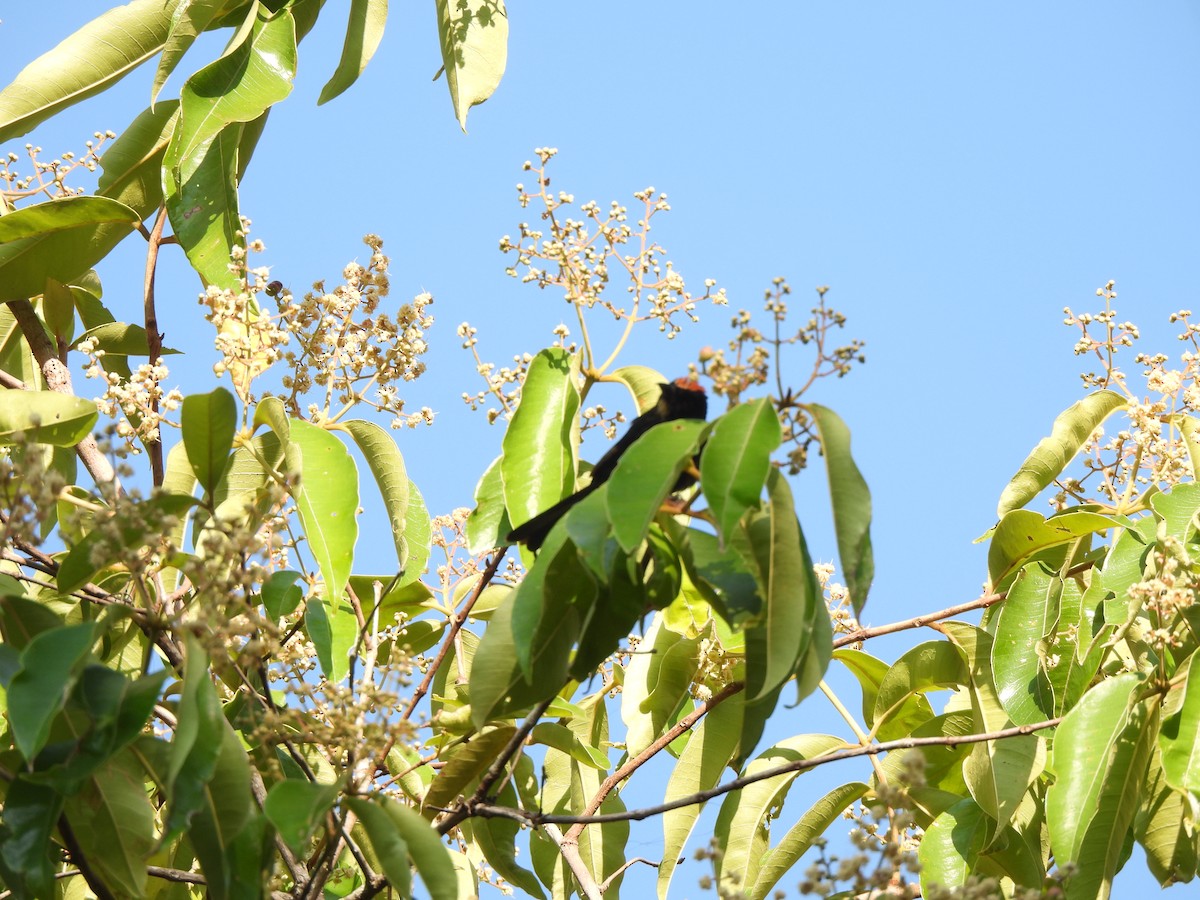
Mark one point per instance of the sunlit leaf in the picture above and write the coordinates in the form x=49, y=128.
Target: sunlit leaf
x=474, y=39
x=363, y=33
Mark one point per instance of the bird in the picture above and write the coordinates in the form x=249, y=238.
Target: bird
x=683, y=398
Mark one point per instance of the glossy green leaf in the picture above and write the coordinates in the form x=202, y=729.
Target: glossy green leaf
x=45, y=417
x=741, y=824
x=202, y=203
x=644, y=384
x=239, y=86
x=120, y=339
x=851, y=503
x=488, y=525
x=387, y=465
x=209, y=422
x=428, y=853
x=1179, y=740
x=999, y=772
x=736, y=459
x=1047, y=460
x=952, y=845
x=50, y=664
x=656, y=682
x=899, y=705
x=132, y=165
x=791, y=590
x=645, y=474
x=699, y=767
x=1026, y=618
x=1178, y=508
x=29, y=819
x=418, y=536
x=1101, y=753
x=538, y=466
x=59, y=239
x=474, y=39
x=319, y=628
x=1164, y=829
x=811, y=827
x=363, y=34
x=555, y=593
x=551, y=734
x=113, y=821
x=1022, y=533
x=296, y=808
x=189, y=20
x=327, y=500
x=94, y=57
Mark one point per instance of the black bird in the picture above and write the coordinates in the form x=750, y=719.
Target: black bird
x=684, y=398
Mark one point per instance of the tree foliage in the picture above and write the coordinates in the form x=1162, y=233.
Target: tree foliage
x=206, y=691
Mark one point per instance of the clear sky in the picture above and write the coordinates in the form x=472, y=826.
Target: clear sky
x=956, y=173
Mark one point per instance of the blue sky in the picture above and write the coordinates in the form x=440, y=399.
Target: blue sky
x=956, y=173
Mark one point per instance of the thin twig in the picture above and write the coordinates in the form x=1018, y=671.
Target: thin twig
x=650, y=752
x=487, y=810
x=862, y=634
x=175, y=875
x=456, y=623
x=153, y=337
x=90, y=875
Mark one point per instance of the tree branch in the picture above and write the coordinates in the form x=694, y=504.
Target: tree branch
x=153, y=337
x=487, y=810
x=862, y=634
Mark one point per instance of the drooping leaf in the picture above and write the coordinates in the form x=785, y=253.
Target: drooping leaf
x=59, y=239
x=488, y=525
x=644, y=476
x=29, y=818
x=463, y=765
x=474, y=39
x=1027, y=616
x=851, y=503
x=900, y=705
x=387, y=465
x=1179, y=740
x=644, y=384
x=189, y=20
x=363, y=34
x=209, y=422
x=736, y=459
x=1046, y=461
x=50, y=663
x=96, y=56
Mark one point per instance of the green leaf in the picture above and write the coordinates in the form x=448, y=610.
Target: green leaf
x=45, y=417
x=851, y=501
x=899, y=705
x=1189, y=428
x=1163, y=827
x=551, y=734
x=96, y=56
x=1180, y=738
x=132, y=165
x=27, y=826
x=385, y=838
x=363, y=33
x=59, y=239
x=327, y=500
x=953, y=844
x=296, y=808
x=474, y=39
x=120, y=339
x=741, y=826
x=777, y=644
x=1022, y=533
x=645, y=474
x=488, y=525
x=644, y=384
x=429, y=855
x=700, y=766
x=387, y=465
x=281, y=595
x=50, y=664
x=202, y=204
x=800, y=837
x=1178, y=507
x=538, y=466
x=547, y=606
x=197, y=743
x=463, y=766
x=1070, y=432
x=228, y=834
x=736, y=459
x=657, y=681
x=58, y=311
x=209, y=422
x=113, y=821
x=1101, y=753
x=189, y=20
x=239, y=86
x=320, y=631
x=496, y=839
x=418, y=537
x=1027, y=617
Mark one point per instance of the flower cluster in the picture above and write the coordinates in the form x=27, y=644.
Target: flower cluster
x=138, y=397
x=48, y=178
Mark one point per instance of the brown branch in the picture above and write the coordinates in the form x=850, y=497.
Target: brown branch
x=94, y=882
x=153, y=337
x=12, y=382
x=636, y=762
x=862, y=634
x=457, y=621
x=487, y=810
x=495, y=770
x=58, y=378
x=175, y=875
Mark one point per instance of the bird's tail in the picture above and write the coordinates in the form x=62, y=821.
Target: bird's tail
x=533, y=532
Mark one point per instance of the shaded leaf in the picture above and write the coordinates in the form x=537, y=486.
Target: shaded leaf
x=736, y=459
x=209, y=422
